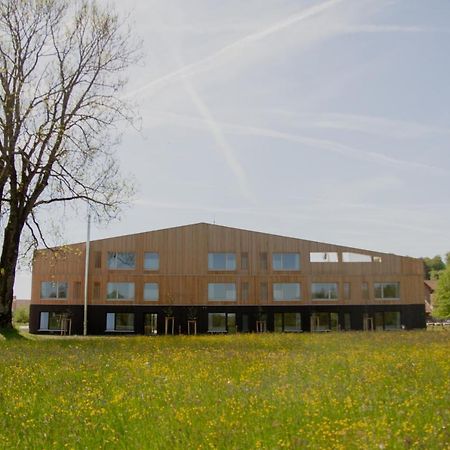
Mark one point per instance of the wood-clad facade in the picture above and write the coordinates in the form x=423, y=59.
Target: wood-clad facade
x=225, y=279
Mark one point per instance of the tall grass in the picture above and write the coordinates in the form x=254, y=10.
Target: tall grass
x=334, y=391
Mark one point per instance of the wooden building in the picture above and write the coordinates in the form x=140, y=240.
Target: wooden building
x=216, y=279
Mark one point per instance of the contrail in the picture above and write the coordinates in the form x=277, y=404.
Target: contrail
x=310, y=142
x=192, y=68
x=221, y=142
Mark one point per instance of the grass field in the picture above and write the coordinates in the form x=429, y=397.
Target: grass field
x=347, y=390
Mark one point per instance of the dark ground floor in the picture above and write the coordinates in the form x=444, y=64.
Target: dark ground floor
x=153, y=320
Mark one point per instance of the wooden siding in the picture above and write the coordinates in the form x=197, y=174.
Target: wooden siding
x=183, y=274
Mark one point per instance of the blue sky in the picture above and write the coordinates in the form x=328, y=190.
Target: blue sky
x=323, y=120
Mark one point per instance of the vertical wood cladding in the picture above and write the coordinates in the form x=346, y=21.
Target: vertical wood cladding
x=183, y=274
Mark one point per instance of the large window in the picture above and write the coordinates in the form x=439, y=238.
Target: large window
x=221, y=323
x=387, y=320
x=286, y=291
x=290, y=322
x=392, y=320
x=324, y=291
x=286, y=261
x=120, y=322
x=386, y=290
x=121, y=260
x=221, y=261
x=50, y=321
x=120, y=291
x=355, y=257
x=324, y=321
x=151, y=261
x=323, y=257
x=54, y=289
x=151, y=291
x=222, y=291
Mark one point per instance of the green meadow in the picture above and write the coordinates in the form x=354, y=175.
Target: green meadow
x=382, y=390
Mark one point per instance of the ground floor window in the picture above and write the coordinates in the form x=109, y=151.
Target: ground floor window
x=120, y=322
x=50, y=321
x=150, y=324
x=289, y=322
x=383, y=320
x=221, y=322
x=392, y=320
x=324, y=321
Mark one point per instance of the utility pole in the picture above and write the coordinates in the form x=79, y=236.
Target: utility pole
x=86, y=270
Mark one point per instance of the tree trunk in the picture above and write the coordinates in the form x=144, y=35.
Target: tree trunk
x=8, y=262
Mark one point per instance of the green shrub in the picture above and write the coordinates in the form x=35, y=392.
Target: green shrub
x=21, y=315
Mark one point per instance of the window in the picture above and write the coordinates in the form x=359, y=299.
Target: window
x=264, y=292
x=377, y=259
x=217, y=322
x=286, y=291
x=263, y=261
x=54, y=289
x=323, y=257
x=121, y=322
x=221, y=261
x=379, y=320
x=323, y=321
x=151, y=261
x=392, y=320
x=151, y=291
x=288, y=322
x=244, y=261
x=121, y=260
x=347, y=291
x=286, y=261
x=244, y=291
x=50, y=321
x=221, y=323
x=231, y=323
x=355, y=257
x=222, y=291
x=120, y=291
x=150, y=324
x=386, y=290
x=324, y=291
x=387, y=320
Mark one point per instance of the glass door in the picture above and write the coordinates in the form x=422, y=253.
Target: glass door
x=150, y=324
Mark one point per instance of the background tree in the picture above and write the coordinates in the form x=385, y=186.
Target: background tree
x=447, y=259
x=442, y=296
x=61, y=69
x=432, y=266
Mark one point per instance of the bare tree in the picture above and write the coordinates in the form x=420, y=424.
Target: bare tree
x=62, y=64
